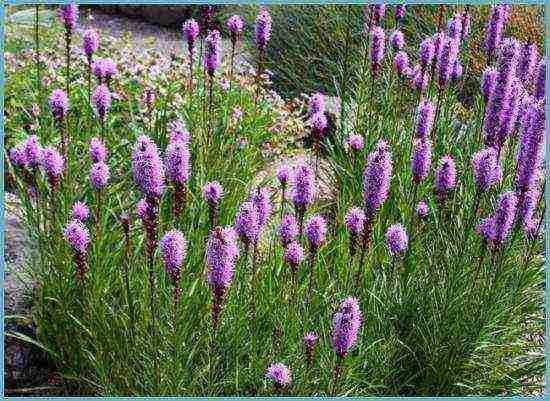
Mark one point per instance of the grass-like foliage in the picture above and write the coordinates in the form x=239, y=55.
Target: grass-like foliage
x=405, y=295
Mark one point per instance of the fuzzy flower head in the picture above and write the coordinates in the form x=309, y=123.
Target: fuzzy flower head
x=53, y=164
x=261, y=200
x=531, y=149
x=400, y=11
x=99, y=175
x=528, y=60
x=68, y=14
x=173, y=247
x=90, y=42
x=77, y=236
x=303, y=187
x=355, y=142
x=316, y=231
x=376, y=178
x=59, y=103
x=527, y=205
x=211, y=193
x=247, y=223
x=488, y=80
x=97, y=150
x=316, y=104
x=495, y=26
x=419, y=80
x=487, y=171
x=104, y=68
x=486, y=229
x=288, y=229
x=284, y=175
x=397, y=40
x=445, y=175
x=422, y=209
x=454, y=27
x=377, y=39
x=141, y=209
x=425, y=119
x=222, y=254
x=235, y=24
x=177, y=162
x=178, y=131
x=294, y=254
x=427, y=51
x=540, y=79
x=310, y=338
x=279, y=373
x=212, y=51
x=190, y=29
x=345, y=326
x=147, y=168
x=376, y=13
x=401, y=64
x=262, y=29
x=447, y=61
x=504, y=216
x=18, y=157
x=421, y=159
x=318, y=123
x=397, y=238
x=79, y=211
x=33, y=151
x=355, y=220
x=101, y=99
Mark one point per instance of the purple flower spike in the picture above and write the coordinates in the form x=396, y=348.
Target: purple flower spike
x=446, y=61
x=261, y=200
x=212, y=52
x=90, y=42
x=262, y=29
x=487, y=171
x=98, y=151
x=177, y=162
x=178, y=131
x=279, y=373
x=345, y=326
x=68, y=14
x=80, y=211
x=212, y=192
x=376, y=178
x=421, y=159
x=527, y=204
x=190, y=29
x=303, y=187
x=377, y=48
x=284, y=175
x=400, y=12
x=355, y=142
x=419, y=80
x=528, y=61
x=33, y=151
x=18, y=156
x=488, y=80
x=401, y=64
x=426, y=112
x=397, y=239
x=288, y=229
x=486, y=229
x=316, y=104
x=318, y=124
x=99, y=175
x=355, y=221
x=104, y=69
x=454, y=27
x=310, y=338
x=222, y=253
x=427, y=51
x=293, y=255
x=59, y=103
x=422, y=209
x=505, y=214
x=530, y=151
x=147, y=168
x=377, y=12
x=316, y=231
x=53, y=164
x=397, y=40
x=445, y=176
x=141, y=209
x=541, y=79
x=495, y=26
x=438, y=41
x=247, y=223
x=235, y=24
x=76, y=235
x=456, y=74
x=101, y=99
x=173, y=247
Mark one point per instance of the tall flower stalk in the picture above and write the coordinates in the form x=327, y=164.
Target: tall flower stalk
x=235, y=24
x=190, y=30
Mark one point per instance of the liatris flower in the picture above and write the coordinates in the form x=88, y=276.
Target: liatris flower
x=247, y=224
x=495, y=26
x=222, y=253
x=504, y=216
x=77, y=236
x=377, y=12
x=177, y=162
x=262, y=202
x=510, y=116
x=541, y=79
x=465, y=24
x=355, y=223
x=59, y=103
x=400, y=10
x=530, y=151
x=355, y=142
x=376, y=48
x=316, y=231
x=401, y=64
x=262, y=29
x=104, y=69
x=310, y=339
x=397, y=239
x=173, y=247
x=141, y=209
x=438, y=41
x=53, y=163
x=190, y=29
x=527, y=204
x=427, y=51
x=212, y=52
x=486, y=229
x=101, y=99
x=487, y=171
x=293, y=256
x=419, y=80
x=279, y=373
x=376, y=178
x=454, y=27
x=425, y=119
x=98, y=151
x=345, y=326
x=284, y=175
x=79, y=211
x=211, y=194
x=445, y=177
x=421, y=159
x=446, y=61
x=90, y=42
x=288, y=230
x=528, y=61
x=33, y=151
x=178, y=131
x=397, y=40
x=303, y=189
x=318, y=124
x=235, y=24
x=147, y=168
x=99, y=175
x=422, y=209
x=316, y=104
x=457, y=71
x=488, y=80
x=68, y=14
x=18, y=157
